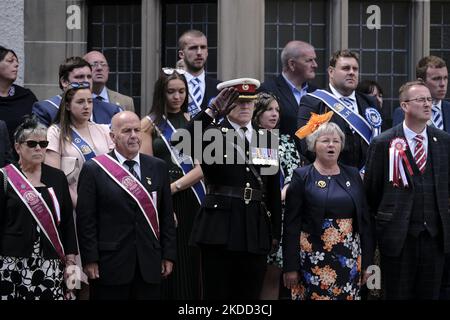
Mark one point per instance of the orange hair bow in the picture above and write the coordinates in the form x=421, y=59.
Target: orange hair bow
x=314, y=122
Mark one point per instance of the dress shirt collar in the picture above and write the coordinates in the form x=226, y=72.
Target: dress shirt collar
x=410, y=135
x=122, y=159
x=237, y=127
x=338, y=95
x=103, y=94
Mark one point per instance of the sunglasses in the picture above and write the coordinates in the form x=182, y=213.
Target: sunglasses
x=170, y=71
x=79, y=85
x=33, y=143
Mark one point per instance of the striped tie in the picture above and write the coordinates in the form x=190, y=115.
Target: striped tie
x=349, y=104
x=419, y=153
x=437, y=118
x=196, y=97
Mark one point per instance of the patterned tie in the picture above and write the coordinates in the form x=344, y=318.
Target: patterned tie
x=437, y=118
x=130, y=164
x=349, y=104
x=419, y=153
x=196, y=97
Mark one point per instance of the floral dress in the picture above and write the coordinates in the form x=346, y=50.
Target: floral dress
x=289, y=161
x=330, y=262
x=32, y=278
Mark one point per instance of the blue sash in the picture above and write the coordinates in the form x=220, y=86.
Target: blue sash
x=354, y=120
x=184, y=163
x=54, y=101
x=82, y=146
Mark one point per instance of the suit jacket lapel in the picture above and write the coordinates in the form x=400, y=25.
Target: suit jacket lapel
x=284, y=88
x=445, y=106
x=435, y=154
x=147, y=178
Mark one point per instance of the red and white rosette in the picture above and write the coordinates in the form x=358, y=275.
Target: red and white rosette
x=396, y=170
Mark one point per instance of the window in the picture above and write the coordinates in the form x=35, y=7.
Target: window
x=114, y=28
x=440, y=30
x=383, y=52
x=295, y=20
x=181, y=16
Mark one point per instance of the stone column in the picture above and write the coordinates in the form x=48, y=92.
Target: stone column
x=151, y=51
x=420, y=28
x=338, y=29
x=240, y=39
x=54, y=31
x=12, y=32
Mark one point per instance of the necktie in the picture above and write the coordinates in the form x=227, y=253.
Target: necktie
x=196, y=97
x=244, y=136
x=437, y=118
x=349, y=104
x=99, y=98
x=130, y=164
x=419, y=153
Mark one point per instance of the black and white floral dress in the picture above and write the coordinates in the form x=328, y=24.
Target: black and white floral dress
x=32, y=278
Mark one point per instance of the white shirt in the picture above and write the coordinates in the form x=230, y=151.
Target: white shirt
x=410, y=135
x=137, y=164
x=352, y=96
x=202, y=84
x=248, y=133
x=103, y=94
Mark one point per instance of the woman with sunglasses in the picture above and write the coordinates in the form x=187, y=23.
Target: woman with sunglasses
x=37, y=230
x=267, y=116
x=169, y=113
x=73, y=139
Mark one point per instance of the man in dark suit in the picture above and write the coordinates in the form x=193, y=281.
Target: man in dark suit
x=343, y=73
x=299, y=64
x=5, y=146
x=126, y=245
x=74, y=69
x=433, y=71
x=411, y=208
x=239, y=221
x=193, y=49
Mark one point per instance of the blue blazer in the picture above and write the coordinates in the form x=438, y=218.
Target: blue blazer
x=399, y=115
x=47, y=110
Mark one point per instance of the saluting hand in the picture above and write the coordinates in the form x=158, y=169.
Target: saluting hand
x=224, y=102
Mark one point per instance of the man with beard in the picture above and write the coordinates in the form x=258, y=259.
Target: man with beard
x=193, y=49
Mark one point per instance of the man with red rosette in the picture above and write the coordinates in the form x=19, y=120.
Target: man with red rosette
x=407, y=187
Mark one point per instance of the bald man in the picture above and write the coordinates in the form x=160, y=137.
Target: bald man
x=126, y=228
x=100, y=74
x=299, y=64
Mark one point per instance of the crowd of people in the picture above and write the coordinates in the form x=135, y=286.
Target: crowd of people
x=282, y=190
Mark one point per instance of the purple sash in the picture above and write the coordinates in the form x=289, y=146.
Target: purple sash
x=37, y=207
x=133, y=187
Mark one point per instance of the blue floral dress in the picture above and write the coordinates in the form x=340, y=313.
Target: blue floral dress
x=330, y=263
